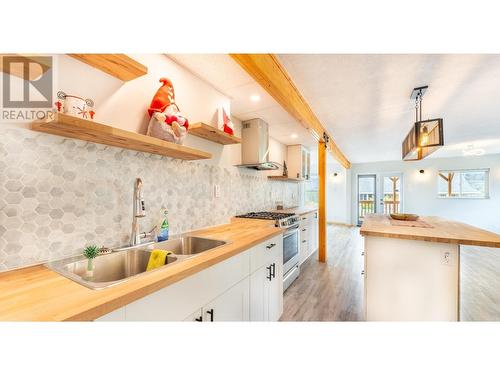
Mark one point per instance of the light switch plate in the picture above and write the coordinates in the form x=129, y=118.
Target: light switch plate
x=447, y=258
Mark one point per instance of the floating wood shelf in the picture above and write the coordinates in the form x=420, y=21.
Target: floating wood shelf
x=86, y=130
x=118, y=65
x=205, y=131
x=283, y=178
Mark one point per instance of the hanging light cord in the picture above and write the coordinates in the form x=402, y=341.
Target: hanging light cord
x=418, y=107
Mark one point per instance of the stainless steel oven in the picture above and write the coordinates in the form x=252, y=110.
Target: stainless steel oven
x=290, y=223
x=291, y=268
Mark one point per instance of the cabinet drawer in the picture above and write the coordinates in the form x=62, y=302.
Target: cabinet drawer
x=266, y=252
x=304, y=220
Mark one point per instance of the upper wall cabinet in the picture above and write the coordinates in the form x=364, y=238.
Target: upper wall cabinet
x=298, y=162
x=118, y=65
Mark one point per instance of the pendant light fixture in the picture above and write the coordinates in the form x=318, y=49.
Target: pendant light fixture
x=426, y=136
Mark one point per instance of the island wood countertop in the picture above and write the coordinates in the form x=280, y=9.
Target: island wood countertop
x=445, y=231
x=39, y=294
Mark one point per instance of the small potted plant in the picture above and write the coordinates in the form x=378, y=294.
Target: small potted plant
x=90, y=252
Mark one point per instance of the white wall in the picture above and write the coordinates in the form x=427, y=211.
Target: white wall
x=338, y=192
x=420, y=190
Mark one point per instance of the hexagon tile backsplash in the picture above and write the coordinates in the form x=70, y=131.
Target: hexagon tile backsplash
x=59, y=194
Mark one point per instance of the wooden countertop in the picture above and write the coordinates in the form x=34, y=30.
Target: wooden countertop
x=445, y=231
x=39, y=294
x=299, y=210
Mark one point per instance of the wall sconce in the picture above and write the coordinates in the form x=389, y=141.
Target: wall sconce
x=421, y=171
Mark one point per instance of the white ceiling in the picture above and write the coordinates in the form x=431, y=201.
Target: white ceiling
x=364, y=100
x=229, y=78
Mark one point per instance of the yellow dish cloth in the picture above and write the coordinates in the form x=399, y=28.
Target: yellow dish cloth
x=157, y=259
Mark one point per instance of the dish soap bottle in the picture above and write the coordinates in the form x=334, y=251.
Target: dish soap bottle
x=163, y=232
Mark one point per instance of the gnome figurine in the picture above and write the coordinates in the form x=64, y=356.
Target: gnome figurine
x=166, y=121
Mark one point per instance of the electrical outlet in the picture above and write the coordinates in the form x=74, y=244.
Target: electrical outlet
x=446, y=258
x=217, y=191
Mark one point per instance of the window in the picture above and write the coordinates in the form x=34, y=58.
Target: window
x=471, y=183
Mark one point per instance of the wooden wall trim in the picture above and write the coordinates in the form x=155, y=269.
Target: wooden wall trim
x=272, y=76
x=322, y=241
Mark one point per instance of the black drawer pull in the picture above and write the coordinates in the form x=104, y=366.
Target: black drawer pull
x=303, y=230
x=270, y=246
x=273, y=272
x=304, y=241
x=270, y=276
x=211, y=313
x=200, y=319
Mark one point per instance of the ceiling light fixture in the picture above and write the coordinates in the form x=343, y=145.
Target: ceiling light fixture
x=293, y=135
x=255, y=98
x=426, y=136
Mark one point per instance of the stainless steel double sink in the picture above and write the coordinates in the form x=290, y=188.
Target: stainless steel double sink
x=125, y=263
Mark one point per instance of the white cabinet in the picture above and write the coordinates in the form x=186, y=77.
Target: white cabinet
x=114, y=316
x=232, y=305
x=259, y=295
x=181, y=299
x=196, y=316
x=298, y=162
x=226, y=291
x=314, y=231
x=275, y=297
x=266, y=282
x=308, y=235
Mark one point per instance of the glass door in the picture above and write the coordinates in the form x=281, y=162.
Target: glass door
x=391, y=194
x=367, y=192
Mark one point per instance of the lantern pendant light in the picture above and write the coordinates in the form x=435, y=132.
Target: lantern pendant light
x=426, y=136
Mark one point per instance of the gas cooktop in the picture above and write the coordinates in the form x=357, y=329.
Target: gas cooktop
x=282, y=219
x=265, y=215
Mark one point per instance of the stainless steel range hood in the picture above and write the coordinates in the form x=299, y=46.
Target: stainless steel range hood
x=255, y=146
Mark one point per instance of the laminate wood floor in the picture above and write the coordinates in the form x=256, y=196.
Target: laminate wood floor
x=333, y=291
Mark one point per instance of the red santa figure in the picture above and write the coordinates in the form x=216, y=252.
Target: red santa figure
x=224, y=122
x=166, y=121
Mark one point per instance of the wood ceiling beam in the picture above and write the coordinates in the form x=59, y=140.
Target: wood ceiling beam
x=272, y=76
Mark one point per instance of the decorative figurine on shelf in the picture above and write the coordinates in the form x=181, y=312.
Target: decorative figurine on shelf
x=224, y=122
x=285, y=169
x=166, y=121
x=75, y=106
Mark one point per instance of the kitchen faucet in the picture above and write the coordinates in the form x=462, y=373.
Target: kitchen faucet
x=139, y=212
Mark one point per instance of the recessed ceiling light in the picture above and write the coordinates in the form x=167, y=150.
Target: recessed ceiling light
x=469, y=150
x=293, y=135
x=255, y=98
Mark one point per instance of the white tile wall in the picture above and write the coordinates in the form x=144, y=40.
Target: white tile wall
x=58, y=195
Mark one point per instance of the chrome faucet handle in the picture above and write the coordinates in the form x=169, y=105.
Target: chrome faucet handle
x=150, y=234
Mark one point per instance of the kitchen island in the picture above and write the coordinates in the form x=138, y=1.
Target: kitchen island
x=412, y=270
